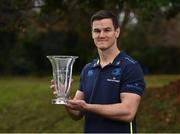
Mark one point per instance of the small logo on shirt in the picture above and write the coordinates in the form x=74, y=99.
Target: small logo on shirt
x=134, y=85
x=116, y=71
x=113, y=80
x=90, y=72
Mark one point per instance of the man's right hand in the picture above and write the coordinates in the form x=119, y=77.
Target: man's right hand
x=52, y=86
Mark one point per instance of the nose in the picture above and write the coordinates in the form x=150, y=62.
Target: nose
x=102, y=34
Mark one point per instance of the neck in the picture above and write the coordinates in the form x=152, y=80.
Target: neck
x=107, y=56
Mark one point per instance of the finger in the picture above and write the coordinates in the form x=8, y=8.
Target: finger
x=55, y=92
x=72, y=102
x=52, y=87
x=67, y=105
x=52, y=81
x=72, y=106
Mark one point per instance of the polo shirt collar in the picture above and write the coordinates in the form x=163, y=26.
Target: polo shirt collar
x=116, y=61
x=96, y=63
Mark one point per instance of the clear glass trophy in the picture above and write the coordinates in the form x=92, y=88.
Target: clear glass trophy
x=62, y=72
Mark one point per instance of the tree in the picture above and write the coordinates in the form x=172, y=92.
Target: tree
x=41, y=26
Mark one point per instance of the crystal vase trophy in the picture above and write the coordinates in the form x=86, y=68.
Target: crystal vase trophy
x=62, y=73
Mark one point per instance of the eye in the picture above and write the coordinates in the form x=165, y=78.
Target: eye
x=96, y=30
x=107, y=30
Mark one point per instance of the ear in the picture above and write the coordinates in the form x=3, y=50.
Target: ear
x=117, y=32
x=92, y=35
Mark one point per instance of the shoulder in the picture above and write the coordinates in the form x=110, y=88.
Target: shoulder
x=131, y=66
x=125, y=59
x=90, y=65
x=128, y=60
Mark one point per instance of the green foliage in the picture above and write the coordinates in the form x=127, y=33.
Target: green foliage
x=155, y=45
x=62, y=27
x=5, y=50
x=14, y=14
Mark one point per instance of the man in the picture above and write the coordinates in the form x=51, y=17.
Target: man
x=111, y=86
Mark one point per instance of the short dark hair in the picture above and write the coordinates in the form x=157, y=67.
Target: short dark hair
x=103, y=14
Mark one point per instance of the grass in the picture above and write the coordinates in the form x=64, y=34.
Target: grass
x=159, y=111
x=159, y=80
x=25, y=106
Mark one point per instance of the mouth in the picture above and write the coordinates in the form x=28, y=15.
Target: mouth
x=102, y=40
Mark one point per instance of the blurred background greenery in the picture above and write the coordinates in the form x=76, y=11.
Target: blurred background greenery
x=32, y=29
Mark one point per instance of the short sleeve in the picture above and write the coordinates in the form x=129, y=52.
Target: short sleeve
x=132, y=79
x=81, y=82
x=82, y=78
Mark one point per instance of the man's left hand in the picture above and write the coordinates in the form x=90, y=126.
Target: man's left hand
x=76, y=105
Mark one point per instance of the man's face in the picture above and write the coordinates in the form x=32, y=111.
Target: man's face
x=104, y=34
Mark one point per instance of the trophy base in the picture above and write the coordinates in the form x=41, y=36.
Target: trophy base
x=61, y=101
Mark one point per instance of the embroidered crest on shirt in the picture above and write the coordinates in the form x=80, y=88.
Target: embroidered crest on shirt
x=90, y=73
x=115, y=72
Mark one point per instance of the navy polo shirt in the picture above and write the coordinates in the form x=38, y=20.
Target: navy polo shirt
x=104, y=85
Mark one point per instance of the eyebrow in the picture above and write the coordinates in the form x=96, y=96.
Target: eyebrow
x=106, y=28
